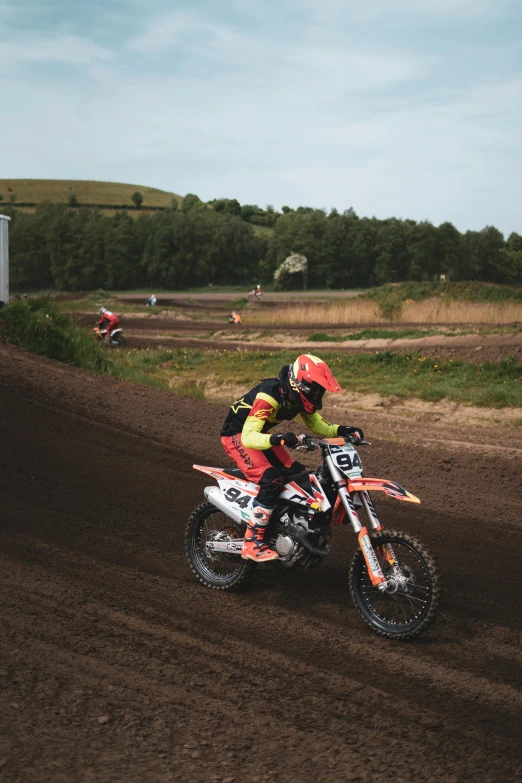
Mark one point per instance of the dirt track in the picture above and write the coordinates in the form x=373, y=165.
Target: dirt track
x=210, y=296
x=474, y=348
x=116, y=666
x=154, y=332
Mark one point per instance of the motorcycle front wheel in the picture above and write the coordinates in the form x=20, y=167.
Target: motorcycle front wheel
x=410, y=603
x=217, y=570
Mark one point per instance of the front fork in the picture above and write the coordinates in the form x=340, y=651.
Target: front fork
x=374, y=569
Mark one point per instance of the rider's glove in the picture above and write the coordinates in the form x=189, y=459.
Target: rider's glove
x=355, y=432
x=285, y=439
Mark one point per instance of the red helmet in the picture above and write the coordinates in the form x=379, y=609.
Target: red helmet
x=310, y=377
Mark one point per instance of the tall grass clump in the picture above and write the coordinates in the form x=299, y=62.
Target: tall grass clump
x=358, y=311
x=465, y=291
x=39, y=326
x=407, y=303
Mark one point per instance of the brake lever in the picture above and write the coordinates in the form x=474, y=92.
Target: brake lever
x=307, y=444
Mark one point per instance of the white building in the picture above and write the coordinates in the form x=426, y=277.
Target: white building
x=4, y=259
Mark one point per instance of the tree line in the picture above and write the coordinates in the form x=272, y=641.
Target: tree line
x=195, y=244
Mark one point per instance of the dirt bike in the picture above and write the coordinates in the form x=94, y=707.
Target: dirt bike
x=255, y=296
x=394, y=581
x=117, y=339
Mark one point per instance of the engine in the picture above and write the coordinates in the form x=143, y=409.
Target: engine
x=300, y=540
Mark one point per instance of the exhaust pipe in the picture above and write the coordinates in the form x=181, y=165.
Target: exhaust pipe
x=214, y=496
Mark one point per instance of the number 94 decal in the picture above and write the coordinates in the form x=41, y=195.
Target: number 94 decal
x=346, y=459
x=234, y=496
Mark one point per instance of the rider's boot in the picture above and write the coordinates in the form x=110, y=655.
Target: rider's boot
x=254, y=547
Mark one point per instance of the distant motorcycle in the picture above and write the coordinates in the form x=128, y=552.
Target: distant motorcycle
x=117, y=340
x=255, y=296
x=394, y=581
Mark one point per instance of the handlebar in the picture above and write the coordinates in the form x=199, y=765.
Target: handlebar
x=308, y=443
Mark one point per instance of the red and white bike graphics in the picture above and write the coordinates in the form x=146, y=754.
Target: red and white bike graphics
x=394, y=581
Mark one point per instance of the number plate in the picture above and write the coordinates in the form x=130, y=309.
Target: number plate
x=347, y=460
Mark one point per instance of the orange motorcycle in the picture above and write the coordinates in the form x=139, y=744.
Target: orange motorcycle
x=117, y=340
x=394, y=581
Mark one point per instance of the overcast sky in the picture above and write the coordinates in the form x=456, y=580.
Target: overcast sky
x=407, y=108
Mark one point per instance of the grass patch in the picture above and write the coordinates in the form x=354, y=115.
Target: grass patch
x=390, y=299
x=409, y=334
x=87, y=192
x=190, y=389
x=387, y=373
x=322, y=337
x=471, y=291
x=40, y=327
x=375, y=334
x=390, y=334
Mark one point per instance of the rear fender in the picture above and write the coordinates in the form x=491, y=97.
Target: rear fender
x=220, y=475
x=391, y=488
x=234, y=497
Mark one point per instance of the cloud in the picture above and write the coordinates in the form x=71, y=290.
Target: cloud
x=65, y=49
x=268, y=104
x=359, y=68
x=361, y=11
x=312, y=57
x=165, y=30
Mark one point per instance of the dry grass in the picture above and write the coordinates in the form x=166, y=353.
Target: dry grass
x=87, y=192
x=428, y=311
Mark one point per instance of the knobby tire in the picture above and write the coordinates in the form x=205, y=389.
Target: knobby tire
x=358, y=573
x=246, y=568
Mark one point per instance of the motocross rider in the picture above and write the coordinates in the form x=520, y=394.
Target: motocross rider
x=261, y=457
x=108, y=321
x=235, y=318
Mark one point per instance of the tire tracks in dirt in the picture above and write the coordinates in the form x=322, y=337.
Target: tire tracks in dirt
x=279, y=682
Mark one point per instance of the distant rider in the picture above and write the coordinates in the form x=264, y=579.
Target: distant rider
x=108, y=321
x=299, y=389
x=235, y=318
x=256, y=293
x=152, y=301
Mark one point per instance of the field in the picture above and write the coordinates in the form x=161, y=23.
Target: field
x=399, y=375
x=117, y=665
x=187, y=344
x=86, y=192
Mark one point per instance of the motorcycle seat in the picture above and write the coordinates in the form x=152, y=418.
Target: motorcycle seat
x=235, y=472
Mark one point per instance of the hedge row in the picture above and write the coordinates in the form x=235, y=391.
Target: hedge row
x=16, y=204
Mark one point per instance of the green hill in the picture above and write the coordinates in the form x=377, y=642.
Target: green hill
x=87, y=192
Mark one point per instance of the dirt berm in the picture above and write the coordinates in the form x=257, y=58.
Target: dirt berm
x=116, y=666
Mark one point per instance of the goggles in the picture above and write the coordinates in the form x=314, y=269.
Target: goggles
x=312, y=392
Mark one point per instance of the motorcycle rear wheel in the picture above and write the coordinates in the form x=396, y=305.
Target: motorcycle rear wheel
x=218, y=570
x=413, y=606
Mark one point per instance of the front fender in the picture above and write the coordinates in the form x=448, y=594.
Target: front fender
x=391, y=488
